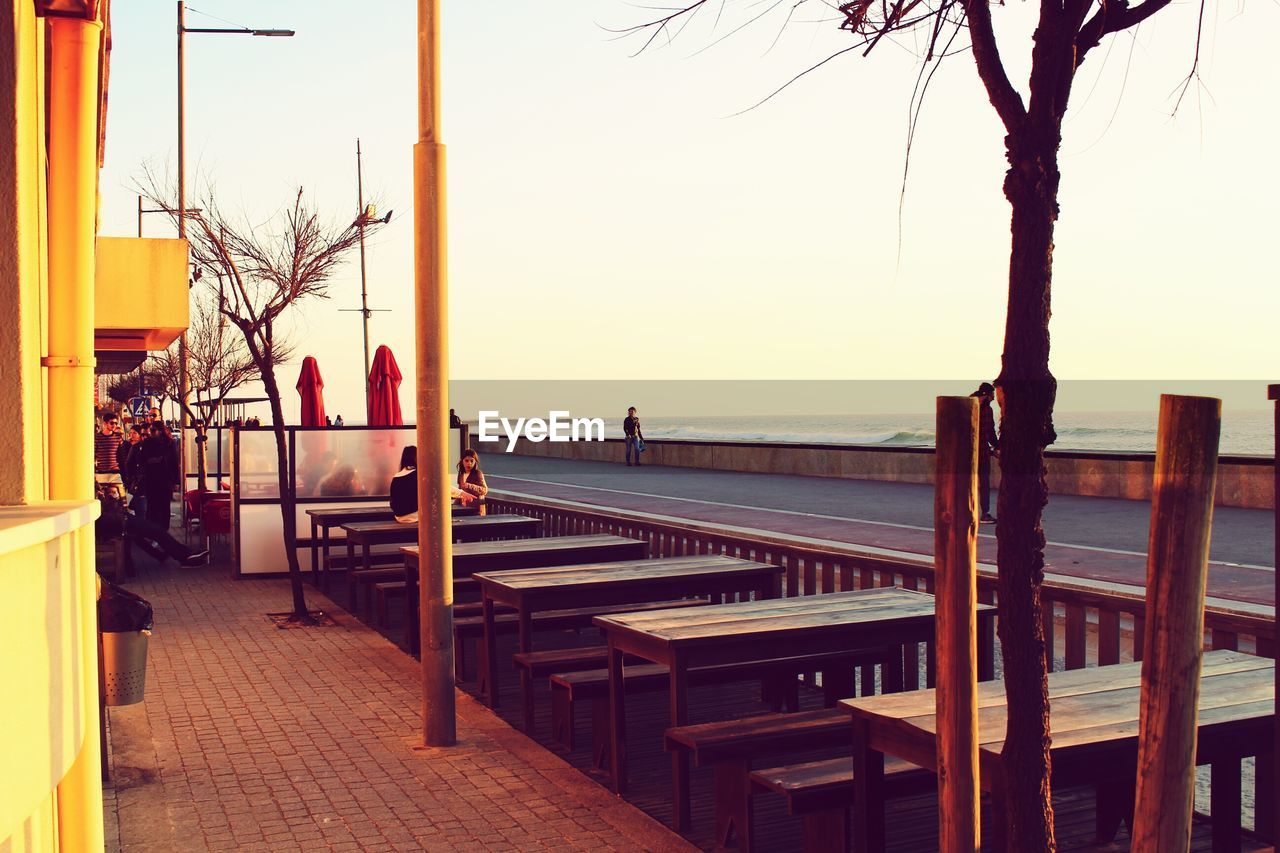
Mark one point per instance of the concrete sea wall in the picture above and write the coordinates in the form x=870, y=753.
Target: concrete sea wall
x=1243, y=481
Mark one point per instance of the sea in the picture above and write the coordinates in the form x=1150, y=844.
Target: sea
x=1243, y=432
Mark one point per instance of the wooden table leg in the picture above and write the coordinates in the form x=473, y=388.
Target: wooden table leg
x=315, y=555
x=733, y=804
x=617, y=721
x=986, y=648
x=868, y=792
x=1113, y=794
x=324, y=561
x=365, y=565
x=1264, y=781
x=352, y=594
x=487, y=668
x=412, y=638
x=1224, y=804
x=680, y=758
x=891, y=678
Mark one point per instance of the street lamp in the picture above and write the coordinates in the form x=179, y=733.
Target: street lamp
x=365, y=216
x=184, y=380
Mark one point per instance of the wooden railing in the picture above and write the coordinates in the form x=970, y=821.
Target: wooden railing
x=1087, y=623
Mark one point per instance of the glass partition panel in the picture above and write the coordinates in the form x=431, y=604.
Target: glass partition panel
x=258, y=474
x=261, y=539
x=348, y=463
x=217, y=456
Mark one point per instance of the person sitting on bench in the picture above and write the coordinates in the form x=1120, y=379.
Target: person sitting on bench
x=404, y=487
x=471, y=484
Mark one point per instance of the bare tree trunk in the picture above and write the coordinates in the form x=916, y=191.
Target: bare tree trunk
x=1026, y=418
x=288, y=505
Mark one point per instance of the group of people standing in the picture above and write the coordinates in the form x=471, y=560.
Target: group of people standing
x=146, y=466
x=145, y=463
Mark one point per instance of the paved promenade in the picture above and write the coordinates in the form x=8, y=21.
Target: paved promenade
x=257, y=738
x=1090, y=538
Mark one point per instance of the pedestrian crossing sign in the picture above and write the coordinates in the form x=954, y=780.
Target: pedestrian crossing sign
x=139, y=407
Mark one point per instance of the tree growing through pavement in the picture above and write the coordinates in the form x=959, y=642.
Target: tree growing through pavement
x=218, y=362
x=1065, y=34
x=256, y=276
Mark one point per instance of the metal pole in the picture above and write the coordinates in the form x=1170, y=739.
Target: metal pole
x=434, y=522
x=184, y=378
x=364, y=294
x=139, y=216
x=1260, y=808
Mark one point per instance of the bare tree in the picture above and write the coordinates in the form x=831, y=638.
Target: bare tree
x=1065, y=33
x=137, y=382
x=257, y=275
x=218, y=362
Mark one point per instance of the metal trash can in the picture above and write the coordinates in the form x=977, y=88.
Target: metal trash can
x=124, y=666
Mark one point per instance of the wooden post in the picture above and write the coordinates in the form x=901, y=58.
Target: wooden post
x=955, y=549
x=1177, y=565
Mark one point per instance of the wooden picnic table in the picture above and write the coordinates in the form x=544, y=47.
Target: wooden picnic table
x=1094, y=728
x=530, y=591
x=325, y=518
x=759, y=632
x=472, y=557
x=366, y=534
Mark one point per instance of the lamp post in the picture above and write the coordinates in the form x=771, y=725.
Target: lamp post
x=365, y=216
x=435, y=588
x=184, y=379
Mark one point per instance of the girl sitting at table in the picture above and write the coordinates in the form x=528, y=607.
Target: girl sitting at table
x=471, y=484
x=404, y=487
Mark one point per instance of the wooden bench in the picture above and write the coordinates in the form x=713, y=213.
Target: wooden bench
x=778, y=677
x=822, y=792
x=533, y=665
x=730, y=746
x=383, y=591
x=472, y=627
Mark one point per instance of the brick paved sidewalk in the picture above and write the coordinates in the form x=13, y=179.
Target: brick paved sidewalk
x=256, y=738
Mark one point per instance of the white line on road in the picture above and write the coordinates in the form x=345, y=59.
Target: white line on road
x=665, y=497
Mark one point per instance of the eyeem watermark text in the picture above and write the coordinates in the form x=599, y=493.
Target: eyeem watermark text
x=557, y=427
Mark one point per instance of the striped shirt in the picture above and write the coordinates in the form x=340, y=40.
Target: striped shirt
x=104, y=453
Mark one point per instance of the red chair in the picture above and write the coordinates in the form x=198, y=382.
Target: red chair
x=193, y=502
x=217, y=517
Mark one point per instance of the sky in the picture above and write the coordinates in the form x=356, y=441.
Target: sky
x=624, y=217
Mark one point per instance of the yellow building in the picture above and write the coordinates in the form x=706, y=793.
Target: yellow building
x=53, y=84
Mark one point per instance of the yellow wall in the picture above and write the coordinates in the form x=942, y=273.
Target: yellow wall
x=50, y=788
x=45, y=589
x=22, y=252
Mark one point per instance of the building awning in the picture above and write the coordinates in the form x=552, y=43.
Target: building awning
x=140, y=293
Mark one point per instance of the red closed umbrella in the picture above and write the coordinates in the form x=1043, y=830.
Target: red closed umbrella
x=384, y=390
x=311, y=388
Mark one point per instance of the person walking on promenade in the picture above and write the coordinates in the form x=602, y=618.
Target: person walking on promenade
x=988, y=446
x=106, y=446
x=158, y=474
x=634, y=436
x=115, y=521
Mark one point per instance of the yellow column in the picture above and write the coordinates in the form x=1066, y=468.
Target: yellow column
x=72, y=193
